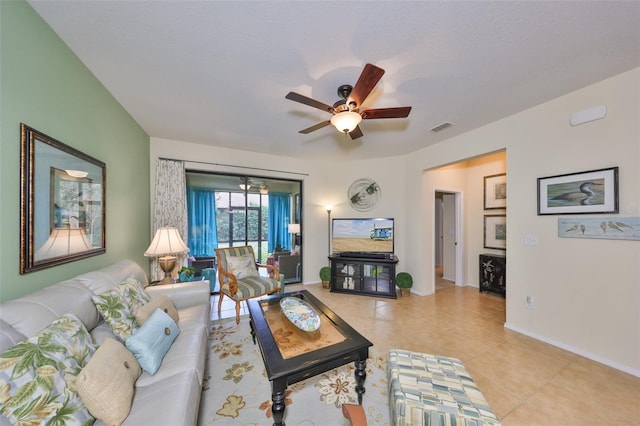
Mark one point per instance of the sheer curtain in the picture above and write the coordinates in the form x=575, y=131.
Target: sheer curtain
x=279, y=212
x=201, y=208
x=169, y=207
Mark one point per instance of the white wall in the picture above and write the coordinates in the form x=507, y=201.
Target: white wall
x=476, y=170
x=586, y=292
x=322, y=184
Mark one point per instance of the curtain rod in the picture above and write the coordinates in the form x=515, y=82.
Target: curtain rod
x=233, y=165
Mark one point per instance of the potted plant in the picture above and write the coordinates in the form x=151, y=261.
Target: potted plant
x=325, y=276
x=186, y=273
x=404, y=280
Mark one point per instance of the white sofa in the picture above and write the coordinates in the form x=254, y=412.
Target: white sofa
x=171, y=396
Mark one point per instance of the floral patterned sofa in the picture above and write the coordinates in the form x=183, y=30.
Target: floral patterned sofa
x=63, y=359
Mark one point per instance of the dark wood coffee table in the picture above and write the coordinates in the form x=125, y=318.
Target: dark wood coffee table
x=291, y=355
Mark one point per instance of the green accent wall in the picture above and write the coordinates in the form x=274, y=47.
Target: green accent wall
x=44, y=85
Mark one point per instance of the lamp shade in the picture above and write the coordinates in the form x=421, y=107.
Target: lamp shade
x=166, y=241
x=294, y=228
x=346, y=121
x=62, y=242
x=77, y=173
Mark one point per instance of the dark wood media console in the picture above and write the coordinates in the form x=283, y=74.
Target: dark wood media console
x=364, y=275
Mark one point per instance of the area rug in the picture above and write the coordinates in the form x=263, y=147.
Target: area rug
x=236, y=390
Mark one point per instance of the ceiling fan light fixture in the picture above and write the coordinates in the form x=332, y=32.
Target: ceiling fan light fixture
x=346, y=121
x=77, y=173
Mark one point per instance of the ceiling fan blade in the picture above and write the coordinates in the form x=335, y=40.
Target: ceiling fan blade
x=399, y=112
x=365, y=84
x=356, y=133
x=293, y=96
x=315, y=127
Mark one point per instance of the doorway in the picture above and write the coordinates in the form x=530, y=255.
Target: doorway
x=447, y=232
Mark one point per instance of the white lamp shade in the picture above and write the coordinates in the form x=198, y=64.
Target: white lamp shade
x=166, y=241
x=294, y=228
x=62, y=242
x=346, y=121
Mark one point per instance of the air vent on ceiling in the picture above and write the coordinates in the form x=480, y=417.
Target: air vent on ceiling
x=441, y=126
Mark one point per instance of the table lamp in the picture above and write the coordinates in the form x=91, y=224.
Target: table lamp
x=165, y=245
x=63, y=242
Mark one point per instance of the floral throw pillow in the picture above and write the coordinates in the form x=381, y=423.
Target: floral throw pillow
x=119, y=304
x=37, y=375
x=242, y=266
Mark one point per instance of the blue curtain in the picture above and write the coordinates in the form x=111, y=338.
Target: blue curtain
x=279, y=212
x=201, y=211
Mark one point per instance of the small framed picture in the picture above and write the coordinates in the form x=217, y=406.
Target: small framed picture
x=594, y=191
x=495, y=191
x=495, y=231
x=601, y=227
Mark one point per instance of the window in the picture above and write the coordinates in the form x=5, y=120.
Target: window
x=256, y=214
x=248, y=217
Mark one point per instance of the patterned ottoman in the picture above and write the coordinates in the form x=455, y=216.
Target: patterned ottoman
x=434, y=390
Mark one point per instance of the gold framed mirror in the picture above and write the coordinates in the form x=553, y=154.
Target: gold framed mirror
x=62, y=202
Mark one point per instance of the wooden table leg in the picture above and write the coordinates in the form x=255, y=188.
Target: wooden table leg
x=278, y=391
x=361, y=375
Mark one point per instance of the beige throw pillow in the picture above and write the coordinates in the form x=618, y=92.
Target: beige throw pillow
x=162, y=302
x=242, y=266
x=106, y=384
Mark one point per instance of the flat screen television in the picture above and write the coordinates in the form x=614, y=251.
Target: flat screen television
x=370, y=235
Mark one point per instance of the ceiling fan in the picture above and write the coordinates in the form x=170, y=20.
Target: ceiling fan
x=346, y=112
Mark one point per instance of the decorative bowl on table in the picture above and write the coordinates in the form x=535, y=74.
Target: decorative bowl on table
x=300, y=313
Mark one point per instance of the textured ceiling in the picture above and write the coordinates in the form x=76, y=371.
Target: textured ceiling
x=217, y=72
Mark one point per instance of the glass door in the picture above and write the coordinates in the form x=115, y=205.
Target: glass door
x=255, y=211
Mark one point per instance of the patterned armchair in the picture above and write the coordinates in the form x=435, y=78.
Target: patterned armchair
x=239, y=278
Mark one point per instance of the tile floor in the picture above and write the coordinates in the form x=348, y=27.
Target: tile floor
x=527, y=382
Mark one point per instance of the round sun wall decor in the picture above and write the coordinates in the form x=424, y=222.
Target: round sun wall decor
x=364, y=194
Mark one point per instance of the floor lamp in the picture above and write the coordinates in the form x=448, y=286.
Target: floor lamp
x=329, y=207
x=294, y=230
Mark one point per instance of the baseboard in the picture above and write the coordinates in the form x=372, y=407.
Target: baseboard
x=624, y=368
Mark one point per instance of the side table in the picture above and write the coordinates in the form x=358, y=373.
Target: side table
x=493, y=272
x=157, y=282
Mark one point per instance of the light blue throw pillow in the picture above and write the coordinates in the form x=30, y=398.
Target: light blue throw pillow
x=152, y=340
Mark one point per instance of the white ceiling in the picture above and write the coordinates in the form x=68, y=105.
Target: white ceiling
x=217, y=72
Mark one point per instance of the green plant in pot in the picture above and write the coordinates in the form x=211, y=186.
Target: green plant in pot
x=186, y=273
x=404, y=280
x=325, y=276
